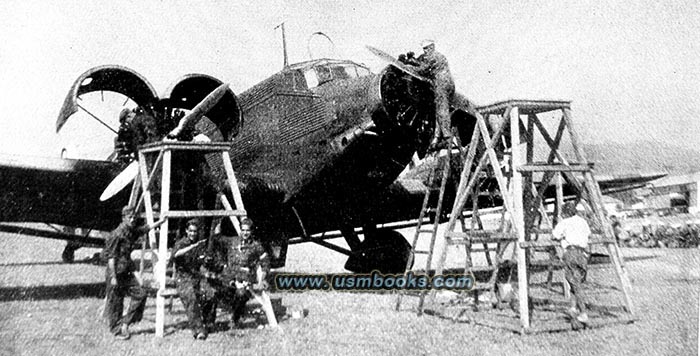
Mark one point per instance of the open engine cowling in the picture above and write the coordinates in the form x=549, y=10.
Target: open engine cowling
x=184, y=93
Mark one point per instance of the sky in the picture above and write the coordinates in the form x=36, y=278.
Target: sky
x=630, y=68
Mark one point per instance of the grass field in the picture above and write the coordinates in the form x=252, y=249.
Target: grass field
x=51, y=308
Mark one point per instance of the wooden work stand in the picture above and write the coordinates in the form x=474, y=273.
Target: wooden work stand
x=507, y=148
x=161, y=168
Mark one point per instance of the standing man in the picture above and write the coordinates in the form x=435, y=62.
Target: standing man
x=620, y=233
x=573, y=231
x=246, y=270
x=188, y=256
x=121, y=276
x=433, y=65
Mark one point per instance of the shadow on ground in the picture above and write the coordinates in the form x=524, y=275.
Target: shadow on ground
x=68, y=291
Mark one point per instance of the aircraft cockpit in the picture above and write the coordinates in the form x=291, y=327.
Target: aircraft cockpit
x=319, y=72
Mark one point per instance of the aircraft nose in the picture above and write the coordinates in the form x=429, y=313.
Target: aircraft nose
x=406, y=104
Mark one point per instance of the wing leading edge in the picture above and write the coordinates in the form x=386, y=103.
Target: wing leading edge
x=58, y=191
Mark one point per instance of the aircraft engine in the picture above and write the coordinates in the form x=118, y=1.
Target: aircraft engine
x=153, y=116
x=407, y=104
x=191, y=89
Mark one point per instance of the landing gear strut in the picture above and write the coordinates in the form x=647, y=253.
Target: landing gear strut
x=68, y=254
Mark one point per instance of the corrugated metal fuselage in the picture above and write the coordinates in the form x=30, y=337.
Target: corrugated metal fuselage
x=326, y=152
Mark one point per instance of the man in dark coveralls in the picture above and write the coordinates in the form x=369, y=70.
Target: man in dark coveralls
x=433, y=65
x=189, y=253
x=122, y=280
x=245, y=270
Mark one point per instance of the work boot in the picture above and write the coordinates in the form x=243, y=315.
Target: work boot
x=209, y=327
x=201, y=335
x=123, y=333
x=235, y=323
x=582, y=318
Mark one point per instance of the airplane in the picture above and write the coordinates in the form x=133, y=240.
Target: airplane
x=318, y=146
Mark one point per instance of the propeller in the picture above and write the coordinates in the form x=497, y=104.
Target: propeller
x=188, y=121
x=394, y=62
x=191, y=119
x=121, y=181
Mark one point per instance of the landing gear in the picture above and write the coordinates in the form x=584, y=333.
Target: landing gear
x=386, y=251
x=68, y=254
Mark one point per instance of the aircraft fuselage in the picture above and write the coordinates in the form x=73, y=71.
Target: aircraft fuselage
x=326, y=150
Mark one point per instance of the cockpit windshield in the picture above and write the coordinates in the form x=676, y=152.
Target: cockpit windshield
x=323, y=73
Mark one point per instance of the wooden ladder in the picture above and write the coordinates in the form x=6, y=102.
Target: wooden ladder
x=471, y=179
x=431, y=209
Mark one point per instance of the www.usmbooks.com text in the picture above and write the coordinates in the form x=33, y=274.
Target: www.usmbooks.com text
x=373, y=281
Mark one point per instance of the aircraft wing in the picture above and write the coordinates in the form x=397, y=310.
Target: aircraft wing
x=620, y=183
x=59, y=191
x=608, y=183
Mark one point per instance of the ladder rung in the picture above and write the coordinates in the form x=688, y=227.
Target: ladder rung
x=545, y=231
x=482, y=286
x=546, y=263
x=169, y=292
x=556, y=167
x=539, y=243
x=424, y=252
x=482, y=268
x=456, y=238
x=481, y=249
x=595, y=240
x=425, y=231
x=203, y=213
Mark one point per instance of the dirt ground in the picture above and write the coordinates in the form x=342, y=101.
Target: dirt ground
x=51, y=308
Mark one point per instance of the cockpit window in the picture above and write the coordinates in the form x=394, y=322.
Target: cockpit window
x=343, y=71
x=362, y=71
x=311, y=78
x=295, y=80
x=324, y=73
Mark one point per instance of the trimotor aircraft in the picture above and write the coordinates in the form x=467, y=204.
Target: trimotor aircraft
x=316, y=147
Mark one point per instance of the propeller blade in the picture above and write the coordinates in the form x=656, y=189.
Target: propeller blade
x=198, y=111
x=121, y=181
x=395, y=62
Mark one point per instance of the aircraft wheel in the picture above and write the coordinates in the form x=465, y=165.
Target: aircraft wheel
x=386, y=251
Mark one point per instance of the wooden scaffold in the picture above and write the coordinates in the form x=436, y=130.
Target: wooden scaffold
x=525, y=170
x=141, y=196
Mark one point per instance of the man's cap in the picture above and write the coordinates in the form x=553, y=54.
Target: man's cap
x=196, y=222
x=427, y=43
x=247, y=222
x=124, y=114
x=128, y=209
